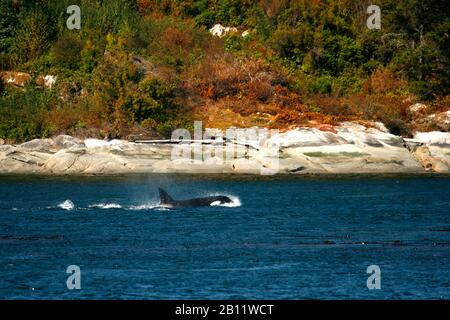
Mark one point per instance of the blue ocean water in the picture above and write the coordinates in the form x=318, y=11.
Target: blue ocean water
x=285, y=238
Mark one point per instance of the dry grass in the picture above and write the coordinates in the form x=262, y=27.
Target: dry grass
x=383, y=82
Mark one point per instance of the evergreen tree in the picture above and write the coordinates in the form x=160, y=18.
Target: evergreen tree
x=8, y=25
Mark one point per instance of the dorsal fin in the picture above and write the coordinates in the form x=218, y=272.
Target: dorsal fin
x=164, y=197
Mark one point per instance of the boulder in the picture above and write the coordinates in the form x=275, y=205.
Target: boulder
x=147, y=68
x=66, y=142
x=47, y=81
x=428, y=161
x=18, y=79
x=246, y=33
x=416, y=108
x=441, y=120
x=16, y=160
x=43, y=145
x=434, y=137
x=220, y=31
x=433, y=122
x=353, y=148
x=96, y=143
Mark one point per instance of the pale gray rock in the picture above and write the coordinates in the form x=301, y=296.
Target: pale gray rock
x=65, y=142
x=352, y=149
x=437, y=121
x=44, y=145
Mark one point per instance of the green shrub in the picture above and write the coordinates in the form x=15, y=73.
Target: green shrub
x=34, y=35
x=206, y=18
x=346, y=84
x=340, y=53
x=321, y=85
x=291, y=44
x=23, y=114
x=398, y=127
x=8, y=26
x=233, y=43
x=66, y=51
x=424, y=89
x=166, y=128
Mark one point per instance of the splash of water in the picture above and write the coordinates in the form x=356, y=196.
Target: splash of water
x=235, y=202
x=67, y=205
x=106, y=206
x=146, y=206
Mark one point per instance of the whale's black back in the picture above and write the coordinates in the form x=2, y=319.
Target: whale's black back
x=168, y=201
x=164, y=197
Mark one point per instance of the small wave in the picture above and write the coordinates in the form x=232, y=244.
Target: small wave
x=150, y=206
x=106, y=206
x=161, y=209
x=67, y=205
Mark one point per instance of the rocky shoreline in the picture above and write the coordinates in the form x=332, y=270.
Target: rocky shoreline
x=344, y=149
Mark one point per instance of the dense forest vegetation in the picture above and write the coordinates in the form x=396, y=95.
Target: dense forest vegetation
x=145, y=67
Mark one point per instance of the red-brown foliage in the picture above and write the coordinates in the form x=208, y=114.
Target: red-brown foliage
x=261, y=90
x=382, y=82
x=176, y=39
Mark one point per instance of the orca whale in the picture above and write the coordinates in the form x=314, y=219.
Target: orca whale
x=168, y=202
